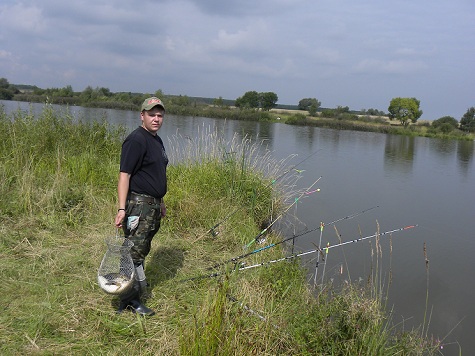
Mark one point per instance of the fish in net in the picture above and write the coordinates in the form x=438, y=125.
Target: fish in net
x=116, y=274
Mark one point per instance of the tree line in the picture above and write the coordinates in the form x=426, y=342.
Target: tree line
x=404, y=110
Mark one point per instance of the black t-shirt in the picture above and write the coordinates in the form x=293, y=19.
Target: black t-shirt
x=144, y=157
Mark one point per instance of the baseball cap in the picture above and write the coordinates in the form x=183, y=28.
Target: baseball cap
x=149, y=103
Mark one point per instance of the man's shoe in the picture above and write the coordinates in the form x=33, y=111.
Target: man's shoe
x=123, y=305
x=141, y=309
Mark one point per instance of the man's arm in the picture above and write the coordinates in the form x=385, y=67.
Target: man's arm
x=122, y=190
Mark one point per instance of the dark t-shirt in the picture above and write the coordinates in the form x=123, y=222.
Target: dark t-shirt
x=144, y=157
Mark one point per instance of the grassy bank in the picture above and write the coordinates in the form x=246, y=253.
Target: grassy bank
x=57, y=203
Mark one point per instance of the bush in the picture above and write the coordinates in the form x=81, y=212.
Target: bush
x=297, y=119
x=445, y=121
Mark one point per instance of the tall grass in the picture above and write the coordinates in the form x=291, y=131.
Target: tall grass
x=57, y=203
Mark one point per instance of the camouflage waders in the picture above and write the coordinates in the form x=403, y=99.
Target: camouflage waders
x=141, y=223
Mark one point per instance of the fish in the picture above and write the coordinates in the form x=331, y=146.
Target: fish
x=115, y=283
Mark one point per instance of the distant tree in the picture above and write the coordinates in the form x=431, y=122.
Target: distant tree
x=159, y=94
x=373, y=112
x=404, y=110
x=219, y=102
x=67, y=91
x=309, y=104
x=123, y=97
x=38, y=91
x=6, y=94
x=104, y=92
x=268, y=100
x=181, y=100
x=4, y=84
x=342, y=109
x=7, y=91
x=445, y=124
x=239, y=102
x=87, y=94
x=250, y=99
x=312, y=110
x=467, y=122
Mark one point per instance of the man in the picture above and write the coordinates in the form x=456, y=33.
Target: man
x=141, y=187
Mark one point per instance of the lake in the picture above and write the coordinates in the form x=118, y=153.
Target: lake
x=402, y=180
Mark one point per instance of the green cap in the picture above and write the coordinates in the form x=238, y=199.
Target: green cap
x=150, y=103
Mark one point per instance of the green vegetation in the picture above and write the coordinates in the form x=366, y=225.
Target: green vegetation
x=467, y=123
x=347, y=121
x=7, y=91
x=255, y=100
x=57, y=203
x=405, y=110
x=310, y=104
x=445, y=124
x=254, y=106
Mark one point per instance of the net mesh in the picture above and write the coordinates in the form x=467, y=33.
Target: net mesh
x=116, y=273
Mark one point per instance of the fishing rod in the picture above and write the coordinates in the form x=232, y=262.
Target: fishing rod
x=328, y=247
x=318, y=249
x=318, y=255
x=215, y=233
x=306, y=192
x=322, y=225
x=235, y=259
x=351, y=216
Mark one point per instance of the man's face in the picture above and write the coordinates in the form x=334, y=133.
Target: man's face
x=152, y=119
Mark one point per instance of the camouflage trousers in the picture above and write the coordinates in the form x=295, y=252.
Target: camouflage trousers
x=141, y=223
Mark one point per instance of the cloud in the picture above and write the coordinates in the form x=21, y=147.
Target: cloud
x=5, y=54
x=22, y=19
x=410, y=52
x=245, y=8
x=398, y=66
x=298, y=48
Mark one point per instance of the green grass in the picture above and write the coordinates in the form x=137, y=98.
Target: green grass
x=57, y=204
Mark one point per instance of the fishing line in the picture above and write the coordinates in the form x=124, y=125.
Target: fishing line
x=328, y=247
x=235, y=259
x=213, y=230
x=258, y=237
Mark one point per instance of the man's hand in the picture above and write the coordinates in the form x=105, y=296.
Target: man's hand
x=119, y=218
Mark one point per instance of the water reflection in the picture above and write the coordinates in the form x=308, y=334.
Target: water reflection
x=253, y=130
x=465, y=155
x=399, y=153
x=444, y=148
x=306, y=134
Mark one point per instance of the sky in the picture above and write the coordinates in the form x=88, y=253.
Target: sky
x=359, y=54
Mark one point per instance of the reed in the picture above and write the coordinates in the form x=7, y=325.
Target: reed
x=57, y=203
